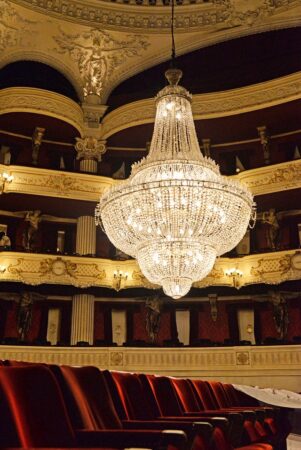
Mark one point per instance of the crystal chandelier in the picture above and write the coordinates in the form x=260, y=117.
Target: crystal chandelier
x=175, y=213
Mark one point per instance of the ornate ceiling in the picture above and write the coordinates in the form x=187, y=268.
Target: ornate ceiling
x=98, y=44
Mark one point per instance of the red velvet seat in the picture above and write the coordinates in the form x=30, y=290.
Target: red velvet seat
x=36, y=406
x=32, y=403
x=213, y=395
x=206, y=400
x=92, y=407
x=223, y=398
x=166, y=396
x=135, y=402
x=239, y=399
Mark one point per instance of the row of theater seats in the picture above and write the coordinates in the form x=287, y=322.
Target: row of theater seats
x=83, y=407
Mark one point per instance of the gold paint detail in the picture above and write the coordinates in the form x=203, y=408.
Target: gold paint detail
x=51, y=183
x=270, y=268
x=58, y=267
x=242, y=358
x=116, y=358
x=80, y=186
x=97, y=54
x=216, y=15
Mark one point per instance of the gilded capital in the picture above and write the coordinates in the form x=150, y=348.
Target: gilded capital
x=90, y=148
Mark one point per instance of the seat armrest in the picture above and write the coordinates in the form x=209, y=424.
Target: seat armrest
x=155, y=439
x=221, y=422
x=157, y=424
x=205, y=429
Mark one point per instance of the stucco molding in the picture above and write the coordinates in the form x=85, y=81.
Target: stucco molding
x=40, y=101
x=80, y=186
x=53, y=183
x=275, y=178
x=209, y=106
x=109, y=15
x=35, y=269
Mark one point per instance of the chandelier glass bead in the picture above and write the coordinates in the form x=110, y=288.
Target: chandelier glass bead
x=175, y=213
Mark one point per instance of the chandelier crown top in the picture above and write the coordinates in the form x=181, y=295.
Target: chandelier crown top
x=173, y=76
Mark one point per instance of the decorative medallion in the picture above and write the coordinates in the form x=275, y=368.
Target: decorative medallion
x=58, y=267
x=242, y=358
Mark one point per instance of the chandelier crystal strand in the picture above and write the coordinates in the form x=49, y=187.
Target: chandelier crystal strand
x=176, y=213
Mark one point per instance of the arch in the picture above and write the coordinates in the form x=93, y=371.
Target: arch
x=53, y=63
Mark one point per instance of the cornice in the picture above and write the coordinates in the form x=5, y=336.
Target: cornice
x=212, y=105
x=40, y=101
x=80, y=186
x=35, y=269
x=155, y=19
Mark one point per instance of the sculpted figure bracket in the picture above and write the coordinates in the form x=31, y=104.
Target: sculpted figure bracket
x=97, y=54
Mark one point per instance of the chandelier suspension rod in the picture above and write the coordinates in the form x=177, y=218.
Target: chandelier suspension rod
x=173, y=46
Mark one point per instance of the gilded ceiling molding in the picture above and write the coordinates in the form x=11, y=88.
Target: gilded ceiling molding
x=217, y=14
x=16, y=30
x=40, y=101
x=212, y=105
x=35, y=269
x=81, y=186
x=53, y=183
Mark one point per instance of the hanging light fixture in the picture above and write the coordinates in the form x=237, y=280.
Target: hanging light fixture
x=175, y=213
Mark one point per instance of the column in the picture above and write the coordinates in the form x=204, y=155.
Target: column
x=89, y=152
x=85, y=236
x=82, y=320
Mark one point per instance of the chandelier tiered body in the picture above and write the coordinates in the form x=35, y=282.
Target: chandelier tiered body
x=175, y=213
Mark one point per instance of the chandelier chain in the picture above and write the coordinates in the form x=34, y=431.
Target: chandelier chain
x=173, y=45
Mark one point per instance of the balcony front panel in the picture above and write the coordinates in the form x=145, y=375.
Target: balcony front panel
x=80, y=186
x=36, y=269
x=272, y=366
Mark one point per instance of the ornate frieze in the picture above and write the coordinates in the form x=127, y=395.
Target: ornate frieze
x=40, y=101
x=51, y=183
x=35, y=269
x=218, y=14
x=208, y=106
x=274, y=178
x=268, y=268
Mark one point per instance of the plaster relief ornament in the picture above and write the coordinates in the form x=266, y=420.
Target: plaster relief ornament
x=241, y=12
x=15, y=31
x=97, y=54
